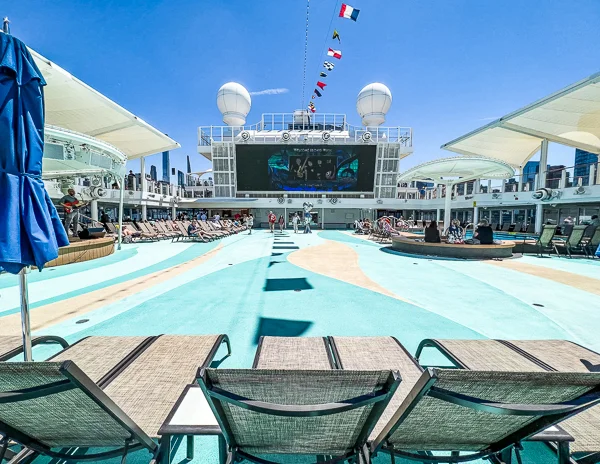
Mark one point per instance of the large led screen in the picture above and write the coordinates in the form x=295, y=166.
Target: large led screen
x=314, y=168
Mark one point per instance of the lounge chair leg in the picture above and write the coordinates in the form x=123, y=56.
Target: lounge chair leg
x=223, y=454
x=506, y=456
x=366, y=452
x=3, y=447
x=190, y=448
x=164, y=455
x=564, y=454
x=518, y=449
x=125, y=449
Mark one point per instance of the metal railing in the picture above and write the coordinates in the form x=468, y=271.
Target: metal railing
x=303, y=128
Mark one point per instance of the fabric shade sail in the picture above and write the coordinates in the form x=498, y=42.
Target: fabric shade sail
x=569, y=117
x=74, y=105
x=457, y=169
x=30, y=229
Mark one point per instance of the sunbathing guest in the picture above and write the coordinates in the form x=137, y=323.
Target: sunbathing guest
x=432, y=234
x=455, y=232
x=192, y=231
x=484, y=234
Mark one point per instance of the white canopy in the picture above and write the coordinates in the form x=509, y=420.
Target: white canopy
x=457, y=169
x=72, y=104
x=570, y=117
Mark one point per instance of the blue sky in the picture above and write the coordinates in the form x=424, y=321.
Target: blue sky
x=452, y=65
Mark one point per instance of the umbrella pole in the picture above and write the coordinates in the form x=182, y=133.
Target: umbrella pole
x=122, y=185
x=25, y=323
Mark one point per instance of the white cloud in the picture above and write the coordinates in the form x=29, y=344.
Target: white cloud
x=278, y=91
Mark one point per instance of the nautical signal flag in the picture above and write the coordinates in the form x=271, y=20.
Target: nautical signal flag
x=335, y=53
x=321, y=85
x=313, y=97
x=336, y=35
x=328, y=65
x=311, y=107
x=348, y=12
x=322, y=74
x=317, y=93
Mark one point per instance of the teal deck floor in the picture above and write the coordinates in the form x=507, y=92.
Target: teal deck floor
x=248, y=289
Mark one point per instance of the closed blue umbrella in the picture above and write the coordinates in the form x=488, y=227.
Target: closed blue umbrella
x=30, y=228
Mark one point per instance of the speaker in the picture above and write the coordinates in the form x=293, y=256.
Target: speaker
x=95, y=232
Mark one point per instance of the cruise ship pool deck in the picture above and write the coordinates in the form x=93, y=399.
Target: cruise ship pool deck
x=325, y=283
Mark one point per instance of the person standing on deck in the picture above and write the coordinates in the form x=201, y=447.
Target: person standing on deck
x=295, y=220
x=272, y=220
x=307, y=224
x=281, y=223
x=250, y=223
x=71, y=207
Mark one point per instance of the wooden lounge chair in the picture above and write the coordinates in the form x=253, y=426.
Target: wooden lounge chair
x=574, y=241
x=162, y=227
x=545, y=241
x=296, y=412
x=102, y=392
x=11, y=346
x=217, y=227
x=150, y=232
x=138, y=235
x=505, y=226
x=185, y=236
x=210, y=230
x=532, y=356
x=518, y=227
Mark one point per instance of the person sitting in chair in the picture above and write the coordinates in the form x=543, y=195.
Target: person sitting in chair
x=192, y=231
x=484, y=234
x=432, y=234
x=455, y=232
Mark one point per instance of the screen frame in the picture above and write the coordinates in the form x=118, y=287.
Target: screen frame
x=303, y=193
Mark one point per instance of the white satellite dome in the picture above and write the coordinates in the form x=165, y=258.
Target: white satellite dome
x=233, y=101
x=372, y=104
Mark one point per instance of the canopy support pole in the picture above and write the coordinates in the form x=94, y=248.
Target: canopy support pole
x=25, y=322
x=121, y=194
x=543, y=164
x=448, y=205
x=539, y=217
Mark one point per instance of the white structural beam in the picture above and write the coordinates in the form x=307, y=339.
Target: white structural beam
x=552, y=138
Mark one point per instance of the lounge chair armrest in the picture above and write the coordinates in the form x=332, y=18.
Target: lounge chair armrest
x=287, y=410
x=515, y=409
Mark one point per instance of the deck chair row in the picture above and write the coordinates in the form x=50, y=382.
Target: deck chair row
x=338, y=397
x=582, y=238
x=176, y=230
x=464, y=413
